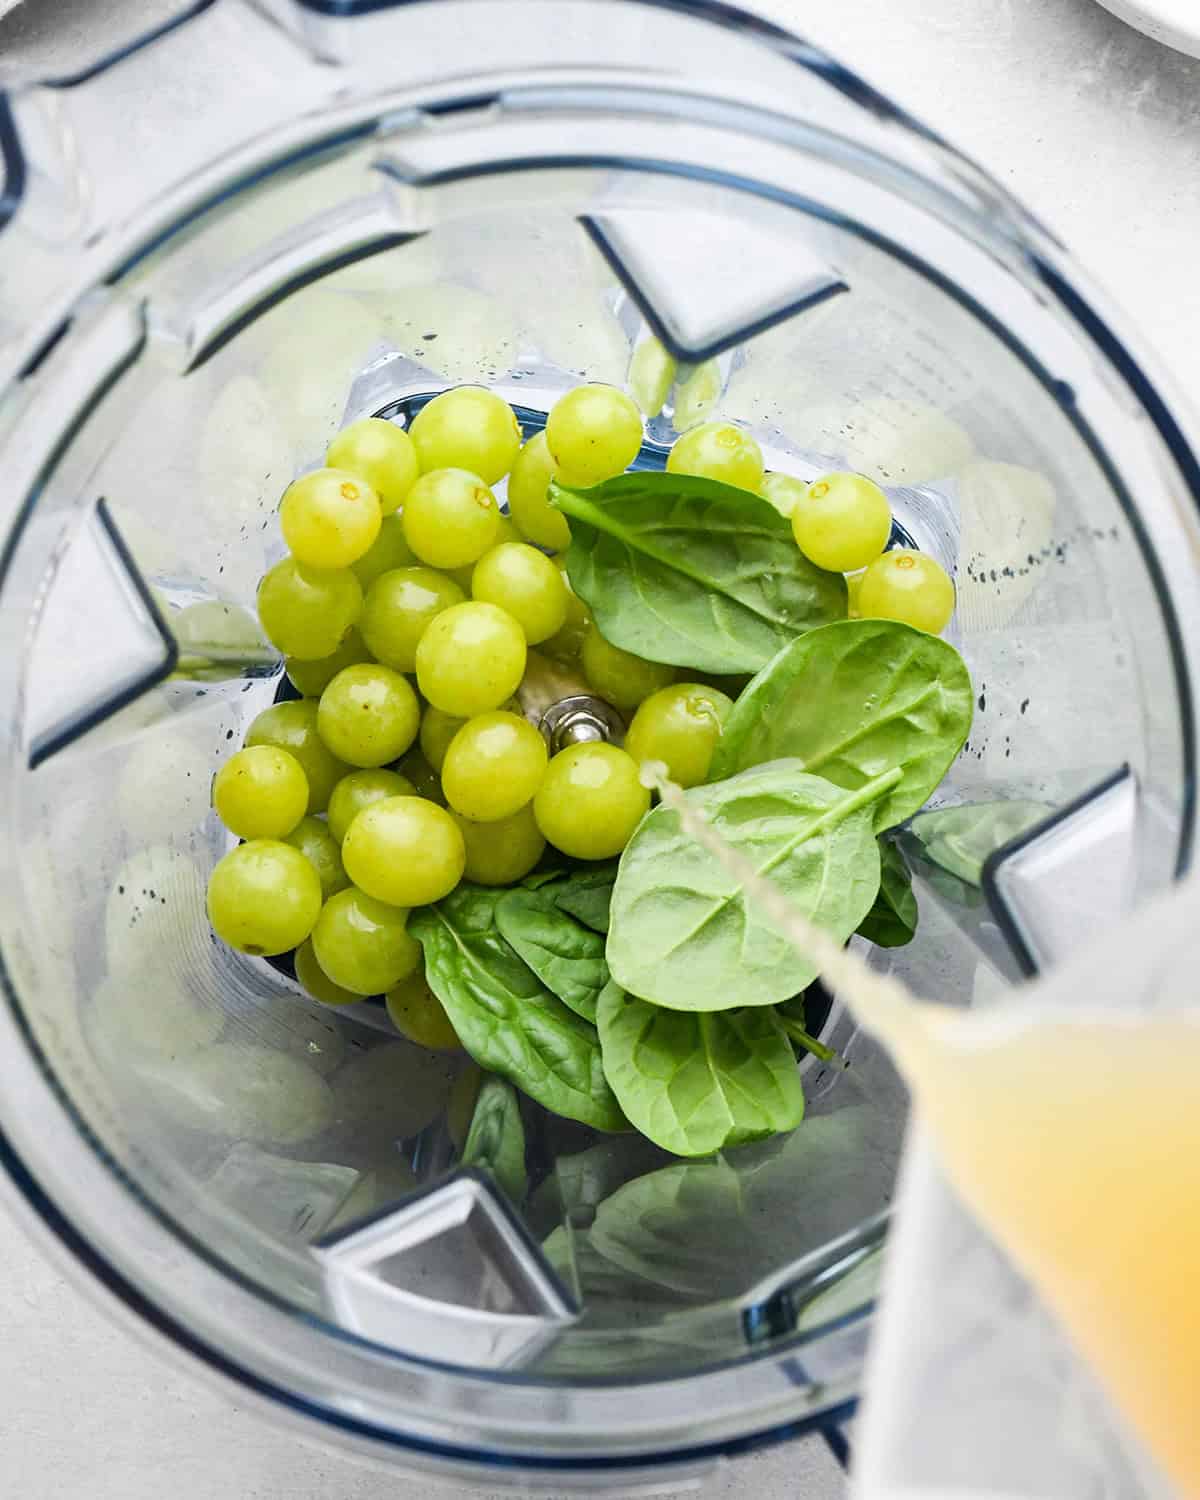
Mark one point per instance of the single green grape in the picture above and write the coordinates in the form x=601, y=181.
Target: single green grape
x=696, y=395
x=263, y=897
x=527, y=584
x=363, y=944
x=329, y=518
x=426, y=781
x=854, y=582
x=590, y=801
x=306, y=612
x=651, y=375
x=450, y=518
x=417, y=1013
x=382, y=454
x=314, y=980
x=469, y=427
x=503, y=852
x=437, y=730
x=399, y=608
x=528, y=483
x=619, y=677
x=592, y=433
x=843, y=522
x=783, y=491
x=368, y=715
x=679, y=725
x=718, y=450
x=493, y=767
x=311, y=678
x=566, y=645
x=471, y=659
x=907, y=586
x=316, y=842
x=260, y=793
x=293, y=727
x=359, y=790
x=404, y=850
x=389, y=551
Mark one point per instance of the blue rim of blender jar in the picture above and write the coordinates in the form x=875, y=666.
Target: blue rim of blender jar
x=1177, y=445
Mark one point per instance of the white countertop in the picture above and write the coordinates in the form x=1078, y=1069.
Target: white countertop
x=1098, y=130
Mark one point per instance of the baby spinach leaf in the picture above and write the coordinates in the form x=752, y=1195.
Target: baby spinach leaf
x=586, y=895
x=505, y=1017
x=850, y=701
x=682, y=931
x=892, y=921
x=566, y=956
x=496, y=1139
x=691, y=571
x=694, y=1083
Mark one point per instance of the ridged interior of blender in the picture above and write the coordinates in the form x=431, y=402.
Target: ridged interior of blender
x=266, y=1125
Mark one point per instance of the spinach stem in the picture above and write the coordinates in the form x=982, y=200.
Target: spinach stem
x=818, y=1049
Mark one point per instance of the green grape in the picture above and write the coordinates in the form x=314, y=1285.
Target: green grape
x=450, y=518
x=854, y=582
x=493, y=767
x=426, y=781
x=506, y=532
x=263, y=897
x=405, y=851
x=527, y=584
x=306, y=612
x=314, y=980
x=696, y=395
x=566, y=645
x=311, y=678
x=418, y=1014
x=368, y=715
x=531, y=510
x=469, y=427
x=399, y=608
x=293, y=727
x=471, y=659
x=783, y=491
x=317, y=844
x=503, y=852
x=437, y=730
x=382, y=454
x=651, y=375
x=359, y=790
x=843, y=522
x=592, y=433
x=718, y=450
x=389, y=551
x=363, y=944
x=590, y=801
x=619, y=677
x=679, y=725
x=907, y=586
x=329, y=518
x=260, y=793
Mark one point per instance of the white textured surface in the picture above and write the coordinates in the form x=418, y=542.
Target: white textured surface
x=1098, y=129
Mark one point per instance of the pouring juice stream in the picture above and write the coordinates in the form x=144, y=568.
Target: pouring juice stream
x=1075, y=1138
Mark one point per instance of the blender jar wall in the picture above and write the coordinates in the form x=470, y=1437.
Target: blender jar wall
x=941, y=371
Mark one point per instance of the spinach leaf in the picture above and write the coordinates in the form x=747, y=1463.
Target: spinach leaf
x=959, y=839
x=892, y=921
x=566, y=956
x=690, y=571
x=694, y=1083
x=682, y=931
x=496, y=1139
x=587, y=894
x=505, y=1017
x=850, y=701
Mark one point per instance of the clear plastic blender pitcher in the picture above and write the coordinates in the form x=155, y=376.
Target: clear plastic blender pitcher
x=225, y=240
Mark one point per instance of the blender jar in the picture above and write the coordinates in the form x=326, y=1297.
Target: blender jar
x=311, y=212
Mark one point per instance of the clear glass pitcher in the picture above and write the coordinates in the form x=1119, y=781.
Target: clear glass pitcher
x=225, y=240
